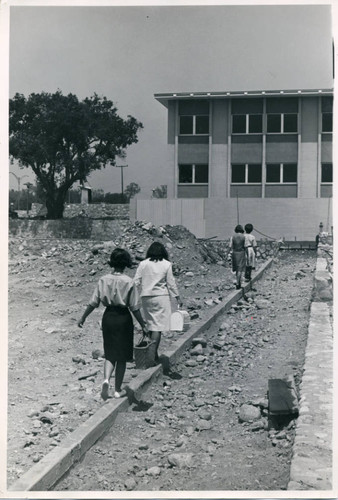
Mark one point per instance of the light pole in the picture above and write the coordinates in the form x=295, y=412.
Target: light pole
x=121, y=167
x=18, y=178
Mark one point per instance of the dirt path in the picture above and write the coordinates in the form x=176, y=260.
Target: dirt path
x=185, y=433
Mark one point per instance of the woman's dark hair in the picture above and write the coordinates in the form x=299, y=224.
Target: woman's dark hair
x=120, y=259
x=248, y=228
x=239, y=229
x=156, y=251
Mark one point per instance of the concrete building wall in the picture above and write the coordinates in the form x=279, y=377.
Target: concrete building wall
x=193, y=153
x=308, y=174
x=218, y=166
x=289, y=218
x=218, y=170
x=281, y=149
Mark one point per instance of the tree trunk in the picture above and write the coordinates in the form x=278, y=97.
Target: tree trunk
x=55, y=208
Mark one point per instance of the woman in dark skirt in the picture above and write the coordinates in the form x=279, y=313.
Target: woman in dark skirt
x=119, y=295
x=237, y=243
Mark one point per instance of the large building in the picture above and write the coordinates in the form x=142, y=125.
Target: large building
x=263, y=157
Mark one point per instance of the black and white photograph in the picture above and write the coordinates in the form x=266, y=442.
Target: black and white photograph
x=167, y=249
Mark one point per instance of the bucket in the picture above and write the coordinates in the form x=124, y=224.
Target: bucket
x=144, y=353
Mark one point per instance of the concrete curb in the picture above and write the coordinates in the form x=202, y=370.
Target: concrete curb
x=45, y=474
x=312, y=459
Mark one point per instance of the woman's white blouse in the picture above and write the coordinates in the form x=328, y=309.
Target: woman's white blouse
x=156, y=278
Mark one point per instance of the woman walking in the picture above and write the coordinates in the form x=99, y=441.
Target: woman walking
x=237, y=247
x=155, y=278
x=251, y=251
x=118, y=294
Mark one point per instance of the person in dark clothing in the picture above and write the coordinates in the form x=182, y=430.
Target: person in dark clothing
x=237, y=247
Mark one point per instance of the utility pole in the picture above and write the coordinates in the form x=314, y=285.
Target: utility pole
x=121, y=167
x=18, y=178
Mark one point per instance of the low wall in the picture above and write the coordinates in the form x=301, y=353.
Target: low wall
x=77, y=228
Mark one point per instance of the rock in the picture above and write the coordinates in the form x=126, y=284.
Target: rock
x=199, y=402
x=203, y=425
x=143, y=447
x=33, y=413
x=97, y=353
x=181, y=460
x=197, y=350
x=130, y=484
x=224, y=326
x=154, y=471
x=182, y=441
x=262, y=303
x=78, y=359
x=204, y=414
x=248, y=413
x=51, y=330
x=257, y=426
x=200, y=358
x=209, y=302
x=199, y=340
x=191, y=363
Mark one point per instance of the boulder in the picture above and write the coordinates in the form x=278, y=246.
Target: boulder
x=249, y=413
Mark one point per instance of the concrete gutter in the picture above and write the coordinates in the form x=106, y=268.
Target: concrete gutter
x=46, y=473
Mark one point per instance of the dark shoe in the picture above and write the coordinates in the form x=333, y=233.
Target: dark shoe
x=238, y=287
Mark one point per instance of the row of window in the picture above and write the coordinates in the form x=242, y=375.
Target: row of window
x=276, y=123
x=249, y=173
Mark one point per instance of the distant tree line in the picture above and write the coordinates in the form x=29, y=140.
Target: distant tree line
x=22, y=200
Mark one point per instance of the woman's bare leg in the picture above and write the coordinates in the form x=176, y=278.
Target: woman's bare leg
x=156, y=336
x=119, y=374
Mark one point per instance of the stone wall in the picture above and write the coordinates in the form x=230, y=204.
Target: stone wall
x=323, y=285
x=91, y=210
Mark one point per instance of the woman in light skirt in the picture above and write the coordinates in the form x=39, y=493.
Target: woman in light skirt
x=154, y=277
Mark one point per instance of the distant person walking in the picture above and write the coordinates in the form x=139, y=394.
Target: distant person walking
x=251, y=251
x=116, y=291
x=237, y=247
x=154, y=277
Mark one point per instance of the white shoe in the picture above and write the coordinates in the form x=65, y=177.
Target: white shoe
x=120, y=394
x=105, y=390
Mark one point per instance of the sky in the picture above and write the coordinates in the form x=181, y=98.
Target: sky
x=129, y=53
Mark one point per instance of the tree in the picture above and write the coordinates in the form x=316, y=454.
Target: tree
x=63, y=139
x=97, y=196
x=130, y=191
x=160, y=191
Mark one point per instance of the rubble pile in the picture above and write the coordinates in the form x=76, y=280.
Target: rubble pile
x=185, y=251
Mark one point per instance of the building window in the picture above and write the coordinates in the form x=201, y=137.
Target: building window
x=247, y=124
x=249, y=173
x=194, y=124
x=327, y=175
x=281, y=173
x=193, y=174
x=282, y=123
x=327, y=120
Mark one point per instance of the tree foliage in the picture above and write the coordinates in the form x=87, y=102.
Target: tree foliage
x=131, y=190
x=160, y=191
x=63, y=140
